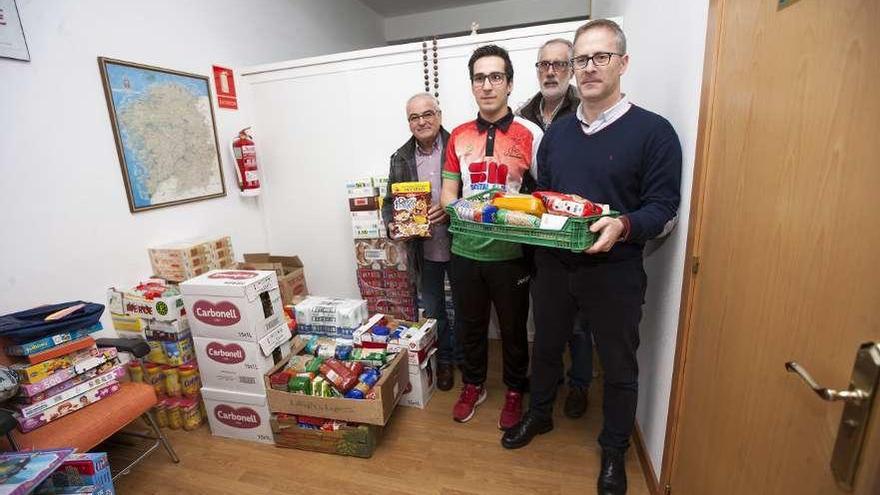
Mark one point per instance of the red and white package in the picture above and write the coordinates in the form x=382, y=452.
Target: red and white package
x=570, y=205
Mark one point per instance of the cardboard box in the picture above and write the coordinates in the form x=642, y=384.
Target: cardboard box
x=362, y=192
x=238, y=415
x=356, y=441
x=422, y=382
x=363, y=204
x=129, y=304
x=359, y=182
x=179, y=261
x=289, y=270
x=400, y=308
x=419, y=339
x=240, y=366
x=368, y=231
x=389, y=389
x=380, y=254
x=233, y=304
x=365, y=216
x=176, y=326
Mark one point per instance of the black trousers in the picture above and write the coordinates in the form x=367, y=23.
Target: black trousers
x=476, y=285
x=610, y=296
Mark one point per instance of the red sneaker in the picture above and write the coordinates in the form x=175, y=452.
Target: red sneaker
x=471, y=397
x=511, y=413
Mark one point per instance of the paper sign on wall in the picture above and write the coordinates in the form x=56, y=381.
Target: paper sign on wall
x=224, y=83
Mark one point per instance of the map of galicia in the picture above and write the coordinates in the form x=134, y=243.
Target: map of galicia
x=166, y=134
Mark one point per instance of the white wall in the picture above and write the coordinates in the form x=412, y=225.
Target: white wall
x=489, y=15
x=67, y=231
x=666, y=44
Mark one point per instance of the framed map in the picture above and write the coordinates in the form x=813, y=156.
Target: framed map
x=165, y=134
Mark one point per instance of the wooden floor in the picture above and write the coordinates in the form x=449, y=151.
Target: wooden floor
x=422, y=452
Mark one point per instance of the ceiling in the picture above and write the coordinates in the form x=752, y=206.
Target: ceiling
x=391, y=8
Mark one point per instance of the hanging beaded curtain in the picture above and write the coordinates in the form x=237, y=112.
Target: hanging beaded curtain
x=427, y=72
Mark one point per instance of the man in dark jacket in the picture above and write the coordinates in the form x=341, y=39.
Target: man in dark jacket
x=557, y=98
x=421, y=158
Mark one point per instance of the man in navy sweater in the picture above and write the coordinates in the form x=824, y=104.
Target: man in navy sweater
x=608, y=151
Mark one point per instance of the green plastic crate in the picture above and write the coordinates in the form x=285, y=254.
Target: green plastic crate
x=575, y=234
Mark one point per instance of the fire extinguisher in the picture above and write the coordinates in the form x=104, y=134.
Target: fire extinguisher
x=245, y=153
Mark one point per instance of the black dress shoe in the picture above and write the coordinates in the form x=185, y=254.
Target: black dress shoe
x=445, y=376
x=576, y=402
x=522, y=433
x=612, y=477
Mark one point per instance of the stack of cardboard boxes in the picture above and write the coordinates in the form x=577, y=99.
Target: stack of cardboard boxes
x=382, y=264
x=364, y=205
x=179, y=261
x=420, y=342
x=154, y=311
x=384, y=279
x=239, y=334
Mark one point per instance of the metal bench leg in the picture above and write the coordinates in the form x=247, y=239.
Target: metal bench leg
x=148, y=417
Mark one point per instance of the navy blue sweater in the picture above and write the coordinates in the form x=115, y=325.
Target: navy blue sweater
x=634, y=165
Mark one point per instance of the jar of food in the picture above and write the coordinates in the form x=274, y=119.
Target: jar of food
x=154, y=377
x=189, y=380
x=172, y=381
x=175, y=416
x=156, y=355
x=161, y=414
x=136, y=371
x=192, y=417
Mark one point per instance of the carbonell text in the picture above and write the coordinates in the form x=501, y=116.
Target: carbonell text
x=221, y=314
x=243, y=417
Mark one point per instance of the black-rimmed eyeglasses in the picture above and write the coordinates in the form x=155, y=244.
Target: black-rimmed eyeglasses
x=495, y=78
x=558, y=66
x=600, y=59
x=428, y=115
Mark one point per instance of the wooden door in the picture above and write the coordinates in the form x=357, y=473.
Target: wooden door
x=787, y=233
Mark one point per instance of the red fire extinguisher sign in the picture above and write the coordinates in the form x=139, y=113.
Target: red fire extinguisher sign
x=224, y=83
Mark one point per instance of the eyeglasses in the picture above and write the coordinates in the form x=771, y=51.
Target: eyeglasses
x=600, y=59
x=494, y=78
x=558, y=66
x=428, y=115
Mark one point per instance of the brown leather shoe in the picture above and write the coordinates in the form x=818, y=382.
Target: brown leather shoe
x=445, y=376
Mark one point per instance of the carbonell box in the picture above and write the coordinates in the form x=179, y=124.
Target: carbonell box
x=238, y=415
x=422, y=382
x=240, y=366
x=242, y=305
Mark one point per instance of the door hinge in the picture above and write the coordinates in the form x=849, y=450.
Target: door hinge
x=695, y=264
x=668, y=490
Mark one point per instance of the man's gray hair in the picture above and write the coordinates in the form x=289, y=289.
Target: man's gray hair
x=424, y=95
x=561, y=42
x=606, y=24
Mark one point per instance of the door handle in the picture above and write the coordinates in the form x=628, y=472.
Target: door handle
x=858, y=399
x=825, y=393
